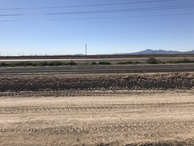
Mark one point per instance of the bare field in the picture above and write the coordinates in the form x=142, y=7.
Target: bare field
x=141, y=117
x=97, y=110
x=101, y=82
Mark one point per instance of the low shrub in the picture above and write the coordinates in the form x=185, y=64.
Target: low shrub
x=3, y=64
x=57, y=63
x=153, y=60
x=129, y=62
x=70, y=63
x=185, y=60
x=54, y=63
x=43, y=64
x=94, y=63
x=104, y=63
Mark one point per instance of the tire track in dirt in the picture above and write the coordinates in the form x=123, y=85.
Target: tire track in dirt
x=93, y=109
x=139, y=129
x=91, y=120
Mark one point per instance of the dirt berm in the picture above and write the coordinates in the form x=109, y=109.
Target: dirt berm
x=97, y=82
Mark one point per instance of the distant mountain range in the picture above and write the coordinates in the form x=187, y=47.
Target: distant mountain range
x=150, y=51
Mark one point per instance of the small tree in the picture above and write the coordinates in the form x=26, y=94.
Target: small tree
x=72, y=63
x=104, y=63
x=153, y=60
x=94, y=63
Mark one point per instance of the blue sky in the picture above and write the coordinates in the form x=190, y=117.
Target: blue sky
x=60, y=27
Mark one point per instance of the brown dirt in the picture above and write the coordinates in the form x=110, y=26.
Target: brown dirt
x=64, y=110
x=97, y=82
x=140, y=118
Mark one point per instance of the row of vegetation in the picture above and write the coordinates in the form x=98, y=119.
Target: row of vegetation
x=151, y=60
x=130, y=62
x=53, y=63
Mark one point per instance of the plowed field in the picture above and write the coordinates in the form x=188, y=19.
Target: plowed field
x=97, y=110
x=141, y=117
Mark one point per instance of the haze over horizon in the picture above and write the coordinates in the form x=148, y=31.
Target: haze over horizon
x=107, y=26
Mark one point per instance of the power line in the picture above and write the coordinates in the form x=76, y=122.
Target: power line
x=91, y=18
x=4, y=15
x=121, y=17
x=112, y=11
x=125, y=10
x=109, y=4
x=6, y=20
x=88, y=5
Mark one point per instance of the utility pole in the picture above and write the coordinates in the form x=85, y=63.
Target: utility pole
x=86, y=51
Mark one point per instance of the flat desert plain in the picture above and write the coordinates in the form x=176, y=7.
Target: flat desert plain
x=115, y=118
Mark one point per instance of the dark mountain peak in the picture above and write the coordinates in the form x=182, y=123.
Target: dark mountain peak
x=160, y=51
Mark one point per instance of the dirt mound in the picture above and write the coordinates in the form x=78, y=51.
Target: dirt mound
x=97, y=82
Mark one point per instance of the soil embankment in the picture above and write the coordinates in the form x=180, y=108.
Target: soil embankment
x=97, y=82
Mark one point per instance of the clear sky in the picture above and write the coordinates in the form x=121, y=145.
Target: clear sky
x=60, y=27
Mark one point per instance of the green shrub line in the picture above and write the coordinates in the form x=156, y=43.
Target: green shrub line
x=181, y=61
x=130, y=62
x=104, y=63
x=94, y=63
x=151, y=60
x=101, y=63
x=53, y=63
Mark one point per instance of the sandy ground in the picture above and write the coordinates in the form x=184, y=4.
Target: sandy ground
x=116, y=119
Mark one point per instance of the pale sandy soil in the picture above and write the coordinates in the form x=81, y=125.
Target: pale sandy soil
x=116, y=119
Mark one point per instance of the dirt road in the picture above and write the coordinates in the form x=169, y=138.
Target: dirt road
x=132, y=117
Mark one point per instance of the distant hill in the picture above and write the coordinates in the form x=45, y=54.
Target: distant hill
x=150, y=51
